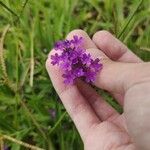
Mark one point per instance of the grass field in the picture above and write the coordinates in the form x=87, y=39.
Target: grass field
x=30, y=109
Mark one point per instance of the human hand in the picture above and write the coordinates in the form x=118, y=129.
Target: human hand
x=125, y=76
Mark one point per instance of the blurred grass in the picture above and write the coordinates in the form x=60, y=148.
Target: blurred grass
x=31, y=27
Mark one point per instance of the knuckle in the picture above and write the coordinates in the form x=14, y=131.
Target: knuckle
x=78, y=32
x=103, y=34
x=77, y=110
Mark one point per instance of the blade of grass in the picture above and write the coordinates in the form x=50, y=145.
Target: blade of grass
x=37, y=126
x=129, y=20
x=23, y=7
x=145, y=49
x=8, y=9
x=33, y=119
x=32, y=147
x=21, y=12
x=58, y=122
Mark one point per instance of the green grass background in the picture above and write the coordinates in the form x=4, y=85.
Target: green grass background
x=26, y=92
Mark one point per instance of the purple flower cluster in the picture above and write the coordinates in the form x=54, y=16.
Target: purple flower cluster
x=74, y=61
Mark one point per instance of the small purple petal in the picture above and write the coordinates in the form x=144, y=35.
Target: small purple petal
x=69, y=77
x=78, y=72
x=77, y=40
x=96, y=65
x=86, y=58
x=66, y=44
x=55, y=59
x=59, y=45
x=90, y=76
x=66, y=65
x=79, y=50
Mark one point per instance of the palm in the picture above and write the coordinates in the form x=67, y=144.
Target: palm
x=108, y=135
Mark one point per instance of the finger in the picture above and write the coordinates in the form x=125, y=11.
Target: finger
x=115, y=77
x=87, y=42
x=104, y=80
x=119, y=97
x=79, y=110
x=102, y=108
x=114, y=48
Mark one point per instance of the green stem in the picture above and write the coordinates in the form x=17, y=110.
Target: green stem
x=58, y=122
x=32, y=58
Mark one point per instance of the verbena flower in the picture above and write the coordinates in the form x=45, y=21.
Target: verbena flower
x=52, y=113
x=6, y=147
x=74, y=61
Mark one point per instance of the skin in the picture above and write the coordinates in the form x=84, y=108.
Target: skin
x=127, y=78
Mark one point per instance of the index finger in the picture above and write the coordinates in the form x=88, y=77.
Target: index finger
x=80, y=111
